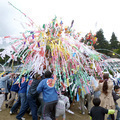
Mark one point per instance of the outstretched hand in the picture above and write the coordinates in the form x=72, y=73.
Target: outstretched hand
x=12, y=74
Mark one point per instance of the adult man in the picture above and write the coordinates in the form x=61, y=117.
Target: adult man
x=3, y=86
x=22, y=98
x=50, y=96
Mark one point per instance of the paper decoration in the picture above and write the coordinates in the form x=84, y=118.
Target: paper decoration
x=56, y=48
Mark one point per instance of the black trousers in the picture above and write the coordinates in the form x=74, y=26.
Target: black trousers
x=112, y=117
x=49, y=110
x=6, y=96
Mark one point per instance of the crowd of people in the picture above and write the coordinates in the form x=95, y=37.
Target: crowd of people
x=37, y=94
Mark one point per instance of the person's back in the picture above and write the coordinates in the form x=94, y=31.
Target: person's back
x=97, y=112
x=49, y=93
x=63, y=103
x=50, y=97
x=66, y=101
x=105, y=86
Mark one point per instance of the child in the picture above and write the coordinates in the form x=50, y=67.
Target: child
x=97, y=112
x=63, y=103
x=116, y=97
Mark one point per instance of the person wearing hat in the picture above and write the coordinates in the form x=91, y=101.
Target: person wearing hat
x=3, y=86
x=115, y=95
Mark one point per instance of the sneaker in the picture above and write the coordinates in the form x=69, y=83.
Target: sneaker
x=11, y=112
x=88, y=113
x=30, y=113
x=69, y=111
x=39, y=115
x=0, y=109
x=22, y=118
x=83, y=113
x=85, y=107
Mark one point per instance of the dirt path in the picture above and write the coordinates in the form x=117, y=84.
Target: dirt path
x=4, y=114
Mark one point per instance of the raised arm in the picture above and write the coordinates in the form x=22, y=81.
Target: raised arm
x=96, y=88
x=40, y=87
x=6, y=77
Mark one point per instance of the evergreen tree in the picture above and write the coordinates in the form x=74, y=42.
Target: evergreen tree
x=1, y=60
x=101, y=43
x=118, y=50
x=114, y=44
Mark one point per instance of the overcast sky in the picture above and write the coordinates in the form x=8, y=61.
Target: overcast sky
x=88, y=15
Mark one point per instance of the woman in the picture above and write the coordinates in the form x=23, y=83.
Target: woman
x=105, y=87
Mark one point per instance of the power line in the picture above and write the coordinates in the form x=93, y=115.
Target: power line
x=109, y=51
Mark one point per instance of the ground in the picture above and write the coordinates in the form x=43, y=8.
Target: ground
x=4, y=114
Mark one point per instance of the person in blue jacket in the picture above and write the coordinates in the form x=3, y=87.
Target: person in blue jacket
x=14, y=90
x=3, y=86
x=3, y=82
x=22, y=98
x=50, y=96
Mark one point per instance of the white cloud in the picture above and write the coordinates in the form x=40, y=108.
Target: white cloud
x=84, y=12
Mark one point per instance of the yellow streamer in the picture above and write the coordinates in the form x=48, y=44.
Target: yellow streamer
x=1, y=74
x=68, y=82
